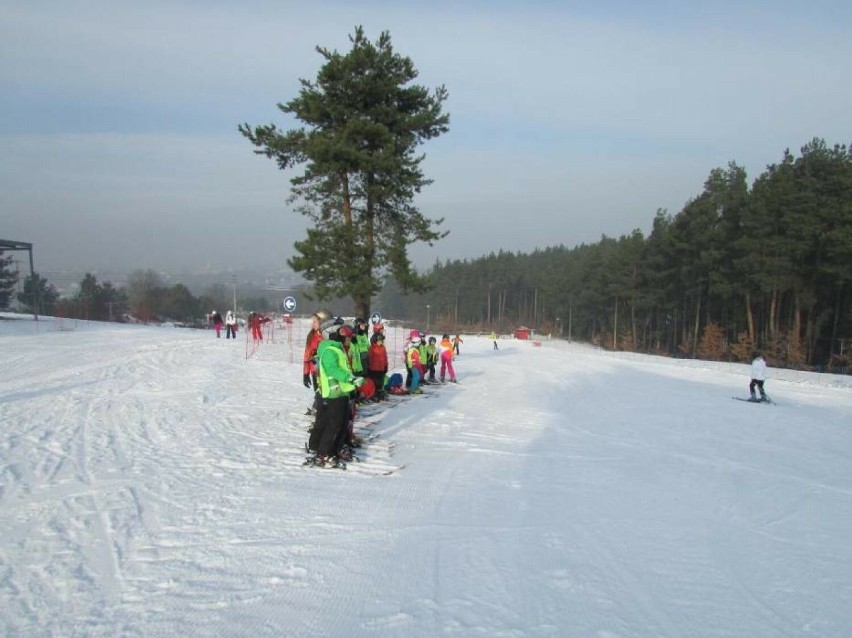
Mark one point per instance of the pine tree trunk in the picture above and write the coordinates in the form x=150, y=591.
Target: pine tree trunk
x=773, y=310
x=615, y=327
x=749, y=317
x=362, y=307
x=810, y=337
x=633, y=323
x=837, y=310
x=695, y=328
x=797, y=316
x=346, y=205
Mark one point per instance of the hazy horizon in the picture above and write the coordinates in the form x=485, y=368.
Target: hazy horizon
x=120, y=147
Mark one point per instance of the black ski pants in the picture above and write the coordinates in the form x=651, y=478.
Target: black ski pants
x=330, y=429
x=759, y=384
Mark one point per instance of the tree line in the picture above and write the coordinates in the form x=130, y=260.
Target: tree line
x=739, y=268
x=144, y=298
x=766, y=266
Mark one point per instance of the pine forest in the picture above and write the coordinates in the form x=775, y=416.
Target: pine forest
x=739, y=268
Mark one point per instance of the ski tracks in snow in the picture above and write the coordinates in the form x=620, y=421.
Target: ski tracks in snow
x=160, y=490
x=71, y=472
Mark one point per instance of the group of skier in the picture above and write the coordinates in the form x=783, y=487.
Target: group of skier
x=255, y=323
x=344, y=365
x=422, y=357
x=229, y=322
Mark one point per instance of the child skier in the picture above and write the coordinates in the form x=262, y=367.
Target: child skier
x=446, y=355
x=421, y=347
x=431, y=358
x=414, y=363
x=457, y=341
x=377, y=365
x=361, y=342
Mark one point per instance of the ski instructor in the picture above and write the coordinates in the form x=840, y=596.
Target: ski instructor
x=336, y=383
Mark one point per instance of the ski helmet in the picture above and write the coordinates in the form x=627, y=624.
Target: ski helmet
x=330, y=323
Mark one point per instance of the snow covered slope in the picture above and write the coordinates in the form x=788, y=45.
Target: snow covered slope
x=150, y=484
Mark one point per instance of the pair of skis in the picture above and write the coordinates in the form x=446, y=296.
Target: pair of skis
x=355, y=466
x=755, y=400
x=378, y=461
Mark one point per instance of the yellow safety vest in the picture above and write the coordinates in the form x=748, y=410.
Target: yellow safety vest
x=331, y=388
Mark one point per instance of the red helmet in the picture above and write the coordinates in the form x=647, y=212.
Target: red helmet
x=344, y=332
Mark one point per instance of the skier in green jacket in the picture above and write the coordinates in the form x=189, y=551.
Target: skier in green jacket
x=337, y=385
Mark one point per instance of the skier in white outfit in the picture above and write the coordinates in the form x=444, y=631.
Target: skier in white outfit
x=230, y=325
x=758, y=376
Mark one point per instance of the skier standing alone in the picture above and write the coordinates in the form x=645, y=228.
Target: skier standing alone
x=758, y=377
x=457, y=340
x=256, y=322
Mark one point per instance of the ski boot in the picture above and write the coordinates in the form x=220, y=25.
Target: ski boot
x=335, y=462
x=315, y=460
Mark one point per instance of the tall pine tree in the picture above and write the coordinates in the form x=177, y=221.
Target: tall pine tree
x=363, y=122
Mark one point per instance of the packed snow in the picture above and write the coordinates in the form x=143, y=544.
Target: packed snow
x=152, y=484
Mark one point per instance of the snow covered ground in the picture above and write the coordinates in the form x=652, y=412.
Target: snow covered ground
x=150, y=484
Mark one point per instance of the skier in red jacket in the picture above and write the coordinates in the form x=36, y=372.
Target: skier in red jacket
x=256, y=322
x=377, y=366
x=309, y=364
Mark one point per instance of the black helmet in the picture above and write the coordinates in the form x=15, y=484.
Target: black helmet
x=330, y=323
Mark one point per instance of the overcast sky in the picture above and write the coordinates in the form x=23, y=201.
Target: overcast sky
x=118, y=120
